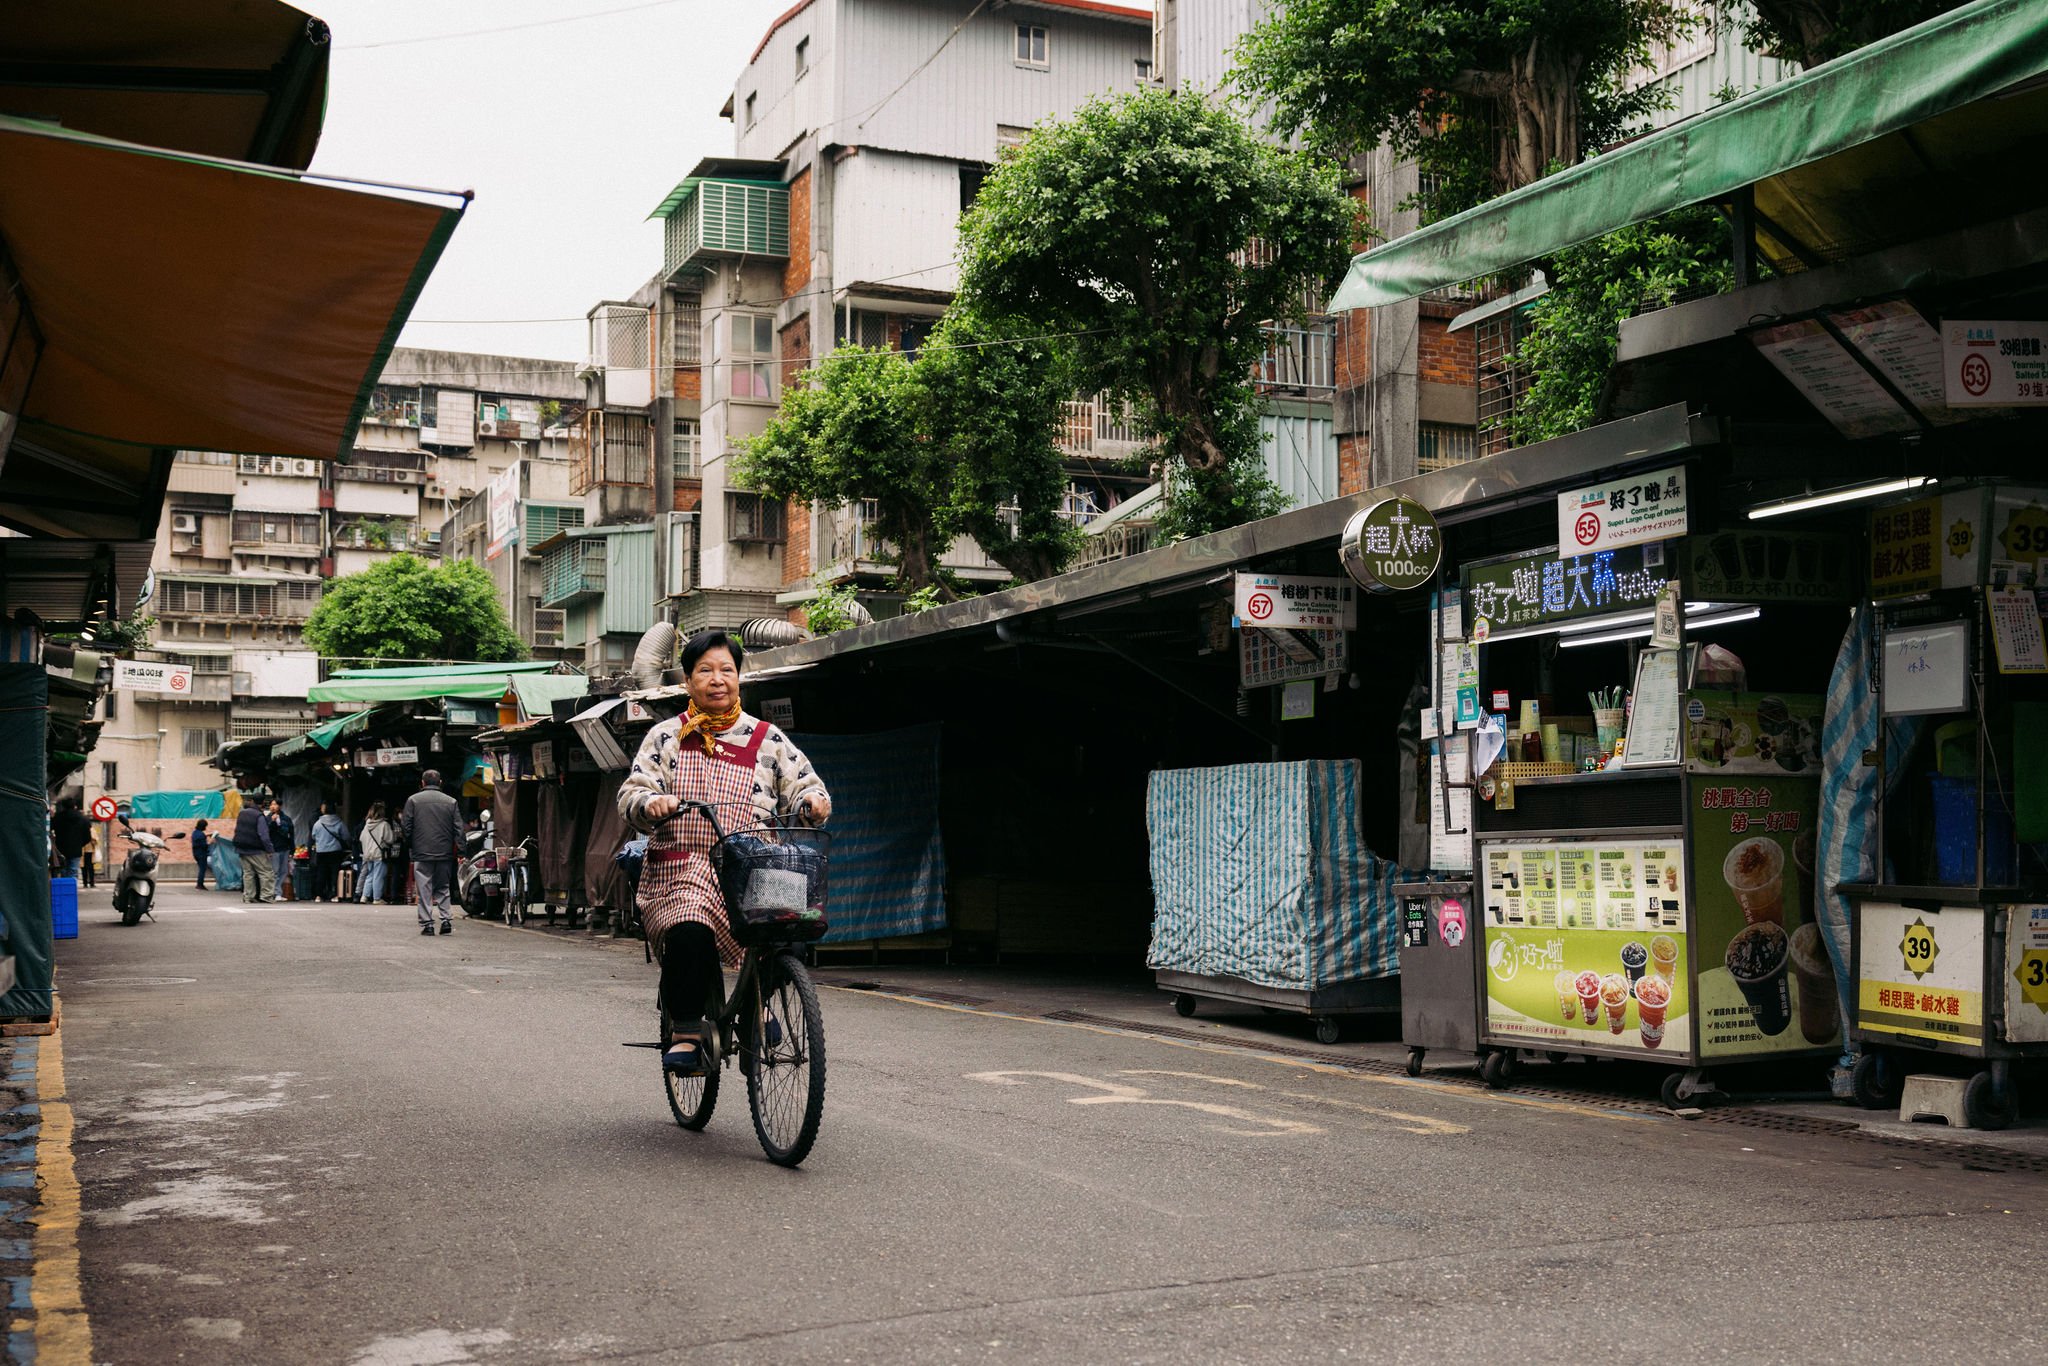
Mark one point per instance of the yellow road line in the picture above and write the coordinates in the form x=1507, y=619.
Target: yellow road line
x=1246, y=1050
x=63, y=1333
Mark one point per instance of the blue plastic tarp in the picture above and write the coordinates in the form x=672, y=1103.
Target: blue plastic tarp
x=177, y=806
x=1259, y=872
x=888, y=871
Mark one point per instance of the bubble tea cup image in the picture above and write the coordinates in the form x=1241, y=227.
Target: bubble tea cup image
x=1614, y=995
x=1567, y=995
x=1635, y=960
x=1653, y=998
x=1587, y=984
x=1819, y=1015
x=1664, y=957
x=1757, y=961
x=1755, y=873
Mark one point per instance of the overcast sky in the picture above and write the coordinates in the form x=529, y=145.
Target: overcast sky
x=569, y=132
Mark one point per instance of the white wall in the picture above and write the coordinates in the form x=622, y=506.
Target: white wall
x=787, y=107
x=894, y=215
x=392, y=500
x=279, y=673
x=271, y=493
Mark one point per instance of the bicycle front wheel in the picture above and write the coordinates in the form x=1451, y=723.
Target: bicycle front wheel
x=785, y=1060
x=690, y=1099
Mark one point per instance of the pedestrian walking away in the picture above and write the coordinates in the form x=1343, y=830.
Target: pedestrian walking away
x=432, y=826
x=252, y=842
x=70, y=833
x=201, y=845
x=378, y=845
x=715, y=753
x=330, y=847
x=280, y=849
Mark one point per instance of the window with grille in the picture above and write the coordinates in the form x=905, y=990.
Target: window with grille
x=752, y=518
x=263, y=727
x=863, y=327
x=110, y=705
x=1031, y=46
x=1009, y=137
x=110, y=777
x=276, y=528
x=689, y=329
x=687, y=450
x=1440, y=445
x=201, y=741
x=198, y=664
x=750, y=359
x=1503, y=378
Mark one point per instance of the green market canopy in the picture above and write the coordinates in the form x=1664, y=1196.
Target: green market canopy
x=449, y=680
x=1828, y=153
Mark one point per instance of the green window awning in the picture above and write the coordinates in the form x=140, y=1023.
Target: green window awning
x=325, y=735
x=1969, y=54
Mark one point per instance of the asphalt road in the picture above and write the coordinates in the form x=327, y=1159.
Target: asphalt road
x=305, y=1133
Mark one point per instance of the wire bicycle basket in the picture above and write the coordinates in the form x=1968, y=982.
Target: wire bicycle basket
x=773, y=878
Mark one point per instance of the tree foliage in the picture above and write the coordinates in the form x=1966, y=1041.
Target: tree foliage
x=1159, y=233
x=992, y=400
x=1810, y=32
x=404, y=607
x=1485, y=95
x=1576, y=326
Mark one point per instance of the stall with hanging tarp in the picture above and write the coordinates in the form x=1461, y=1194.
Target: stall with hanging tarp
x=888, y=860
x=1266, y=894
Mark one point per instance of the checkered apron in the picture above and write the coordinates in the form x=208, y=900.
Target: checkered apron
x=677, y=883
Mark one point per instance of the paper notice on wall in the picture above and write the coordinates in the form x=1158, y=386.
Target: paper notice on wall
x=1450, y=807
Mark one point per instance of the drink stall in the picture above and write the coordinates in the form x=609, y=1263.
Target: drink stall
x=1951, y=940
x=1642, y=710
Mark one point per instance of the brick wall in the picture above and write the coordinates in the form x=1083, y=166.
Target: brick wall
x=690, y=383
x=797, y=273
x=689, y=495
x=1443, y=357
x=796, y=554
x=796, y=349
x=1354, y=464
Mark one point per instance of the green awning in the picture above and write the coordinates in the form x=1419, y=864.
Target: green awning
x=324, y=735
x=410, y=685
x=538, y=692
x=1966, y=55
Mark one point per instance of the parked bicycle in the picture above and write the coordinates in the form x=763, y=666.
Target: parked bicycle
x=772, y=879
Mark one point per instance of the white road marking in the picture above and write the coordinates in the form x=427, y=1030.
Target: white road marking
x=1116, y=1093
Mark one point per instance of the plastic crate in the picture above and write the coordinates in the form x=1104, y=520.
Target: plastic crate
x=63, y=908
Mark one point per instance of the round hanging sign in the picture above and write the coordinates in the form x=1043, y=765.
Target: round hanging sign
x=1392, y=547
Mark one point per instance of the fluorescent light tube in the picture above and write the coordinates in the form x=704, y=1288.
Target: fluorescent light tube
x=1848, y=495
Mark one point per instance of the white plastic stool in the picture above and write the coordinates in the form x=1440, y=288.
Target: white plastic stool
x=1933, y=1097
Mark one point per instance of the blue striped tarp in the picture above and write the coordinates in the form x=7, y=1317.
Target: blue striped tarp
x=1259, y=872
x=888, y=859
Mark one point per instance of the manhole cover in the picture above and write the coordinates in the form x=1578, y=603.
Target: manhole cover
x=136, y=981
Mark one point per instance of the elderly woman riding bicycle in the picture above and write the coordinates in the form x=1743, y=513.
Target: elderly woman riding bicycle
x=717, y=753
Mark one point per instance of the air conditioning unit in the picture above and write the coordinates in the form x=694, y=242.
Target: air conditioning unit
x=436, y=491
x=248, y=464
x=244, y=685
x=548, y=625
x=186, y=522
x=305, y=467
x=486, y=429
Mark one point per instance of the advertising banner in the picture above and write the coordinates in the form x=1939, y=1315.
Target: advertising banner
x=1921, y=973
x=1624, y=511
x=1541, y=589
x=1770, y=566
x=138, y=675
x=1994, y=364
x=1296, y=602
x=504, y=510
x=1745, y=732
x=1585, y=945
x=1765, y=981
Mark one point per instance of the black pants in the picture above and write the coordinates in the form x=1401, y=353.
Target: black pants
x=692, y=984
x=326, y=868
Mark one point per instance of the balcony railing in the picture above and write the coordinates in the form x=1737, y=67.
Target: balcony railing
x=611, y=449
x=573, y=571
x=1299, y=359
x=1116, y=543
x=1095, y=428
x=848, y=545
x=218, y=601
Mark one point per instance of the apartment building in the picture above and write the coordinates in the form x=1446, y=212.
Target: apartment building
x=247, y=543
x=862, y=130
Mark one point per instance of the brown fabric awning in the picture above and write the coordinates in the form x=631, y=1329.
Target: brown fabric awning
x=190, y=303
x=243, y=79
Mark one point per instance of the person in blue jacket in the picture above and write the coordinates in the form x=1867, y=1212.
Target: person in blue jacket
x=202, y=845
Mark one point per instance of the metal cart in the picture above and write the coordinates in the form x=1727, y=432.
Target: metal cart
x=1439, y=969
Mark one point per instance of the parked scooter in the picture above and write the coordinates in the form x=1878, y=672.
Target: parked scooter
x=135, y=884
x=479, y=877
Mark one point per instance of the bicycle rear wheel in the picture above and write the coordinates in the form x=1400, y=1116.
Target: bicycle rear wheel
x=690, y=1099
x=785, y=1060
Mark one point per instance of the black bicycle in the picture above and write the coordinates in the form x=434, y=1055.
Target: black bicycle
x=771, y=876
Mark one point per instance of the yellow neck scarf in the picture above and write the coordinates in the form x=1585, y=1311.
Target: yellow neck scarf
x=704, y=725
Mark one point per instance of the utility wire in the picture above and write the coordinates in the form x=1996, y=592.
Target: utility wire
x=876, y=107
x=505, y=28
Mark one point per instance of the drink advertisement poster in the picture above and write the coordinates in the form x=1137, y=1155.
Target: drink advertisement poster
x=1586, y=947
x=1766, y=984
x=1774, y=734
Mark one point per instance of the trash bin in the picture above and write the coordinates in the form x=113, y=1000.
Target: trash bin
x=1439, y=969
x=302, y=879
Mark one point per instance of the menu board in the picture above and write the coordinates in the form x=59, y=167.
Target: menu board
x=1653, y=724
x=1450, y=805
x=1905, y=347
x=1600, y=884
x=2016, y=631
x=1832, y=379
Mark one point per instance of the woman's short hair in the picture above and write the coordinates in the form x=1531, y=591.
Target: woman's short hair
x=701, y=644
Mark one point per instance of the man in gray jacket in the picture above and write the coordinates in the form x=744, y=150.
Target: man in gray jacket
x=432, y=822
